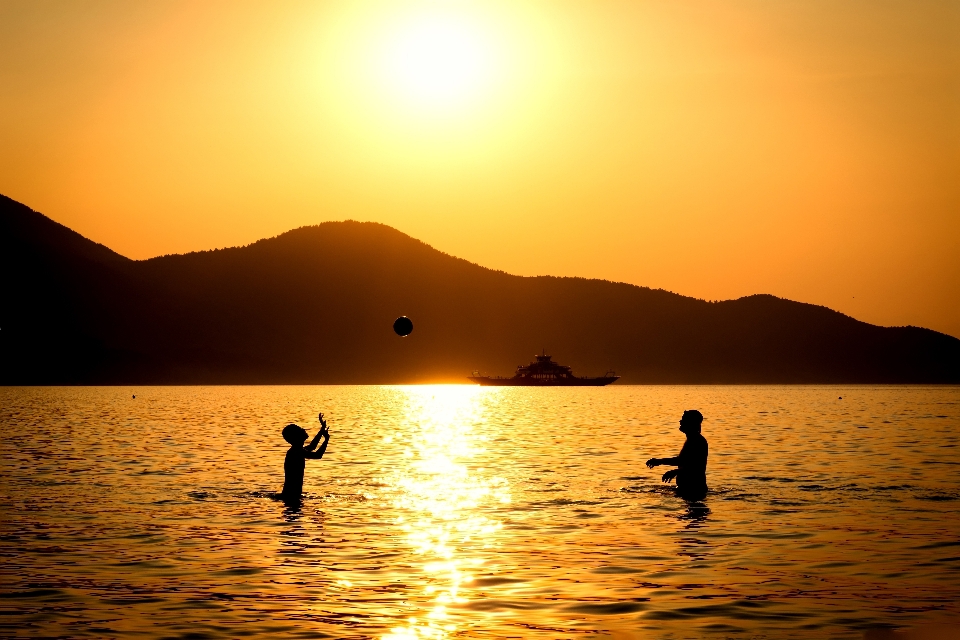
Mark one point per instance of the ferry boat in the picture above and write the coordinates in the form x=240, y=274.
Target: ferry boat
x=543, y=372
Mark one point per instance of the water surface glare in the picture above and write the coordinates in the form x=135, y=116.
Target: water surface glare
x=468, y=512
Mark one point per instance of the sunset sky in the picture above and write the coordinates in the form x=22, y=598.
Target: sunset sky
x=809, y=149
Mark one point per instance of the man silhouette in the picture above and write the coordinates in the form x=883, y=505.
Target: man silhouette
x=691, y=462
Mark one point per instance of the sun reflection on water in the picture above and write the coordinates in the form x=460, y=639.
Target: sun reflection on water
x=444, y=493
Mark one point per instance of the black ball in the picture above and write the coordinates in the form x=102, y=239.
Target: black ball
x=403, y=326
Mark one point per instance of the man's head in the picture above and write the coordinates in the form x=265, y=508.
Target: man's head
x=294, y=435
x=690, y=421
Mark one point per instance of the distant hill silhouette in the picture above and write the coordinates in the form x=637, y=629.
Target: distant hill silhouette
x=316, y=305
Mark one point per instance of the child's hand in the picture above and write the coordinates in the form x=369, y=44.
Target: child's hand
x=323, y=423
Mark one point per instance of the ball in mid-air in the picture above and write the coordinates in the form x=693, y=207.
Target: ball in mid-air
x=403, y=326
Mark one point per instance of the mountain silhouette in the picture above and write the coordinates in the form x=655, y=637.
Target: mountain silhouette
x=317, y=305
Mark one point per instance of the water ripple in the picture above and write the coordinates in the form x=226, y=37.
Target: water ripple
x=461, y=512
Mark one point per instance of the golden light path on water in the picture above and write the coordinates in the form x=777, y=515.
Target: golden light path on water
x=438, y=491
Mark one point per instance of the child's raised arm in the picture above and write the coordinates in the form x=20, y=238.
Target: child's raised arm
x=316, y=438
x=326, y=440
x=323, y=433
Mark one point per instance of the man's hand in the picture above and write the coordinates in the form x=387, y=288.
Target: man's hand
x=653, y=462
x=670, y=475
x=323, y=423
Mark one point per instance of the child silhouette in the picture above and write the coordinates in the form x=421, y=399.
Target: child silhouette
x=295, y=461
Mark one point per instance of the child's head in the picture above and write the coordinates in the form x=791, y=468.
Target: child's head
x=294, y=435
x=690, y=421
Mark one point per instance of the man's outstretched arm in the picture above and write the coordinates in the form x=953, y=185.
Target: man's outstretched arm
x=656, y=462
x=670, y=475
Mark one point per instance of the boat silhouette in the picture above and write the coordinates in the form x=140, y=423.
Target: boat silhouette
x=543, y=372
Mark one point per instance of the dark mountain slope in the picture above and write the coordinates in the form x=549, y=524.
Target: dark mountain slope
x=60, y=296
x=316, y=304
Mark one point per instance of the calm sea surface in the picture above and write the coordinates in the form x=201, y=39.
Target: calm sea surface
x=463, y=512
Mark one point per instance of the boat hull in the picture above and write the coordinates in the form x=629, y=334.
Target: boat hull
x=486, y=381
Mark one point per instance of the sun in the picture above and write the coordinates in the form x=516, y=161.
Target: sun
x=442, y=78
x=438, y=61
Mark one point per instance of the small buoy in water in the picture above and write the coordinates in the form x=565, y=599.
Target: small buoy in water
x=403, y=326
x=840, y=398
x=134, y=397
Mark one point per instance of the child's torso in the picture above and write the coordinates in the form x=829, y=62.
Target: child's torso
x=293, y=465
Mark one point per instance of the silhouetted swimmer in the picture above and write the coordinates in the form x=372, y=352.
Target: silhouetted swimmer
x=691, y=462
x=297, y=456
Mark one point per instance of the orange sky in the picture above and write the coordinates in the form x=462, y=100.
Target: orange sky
x=808, y=148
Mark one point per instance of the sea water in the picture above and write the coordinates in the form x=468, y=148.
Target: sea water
x=467, y=512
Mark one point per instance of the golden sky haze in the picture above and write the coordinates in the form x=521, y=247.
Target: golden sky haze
x=806, y=149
